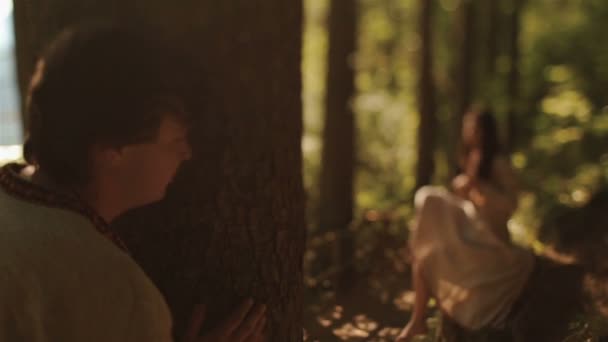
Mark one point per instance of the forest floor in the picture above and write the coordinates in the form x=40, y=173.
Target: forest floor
x=378, y=302
x=376, y=306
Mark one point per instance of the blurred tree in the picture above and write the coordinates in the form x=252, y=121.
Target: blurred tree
x=338, y=152
x=426, y=98
x=491, y=47
x=492, y=14
x=513, y=90
x=465, y=72
x=232, y=225
x=556, y=89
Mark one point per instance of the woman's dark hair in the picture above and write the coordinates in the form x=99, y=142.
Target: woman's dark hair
x=103, y=85
x=485, y=124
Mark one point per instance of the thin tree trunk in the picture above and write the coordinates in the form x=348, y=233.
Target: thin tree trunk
x=514, y=73
x=467, y=57
x=338, y=154
x=232, y=225
x=426, y=99
x=492, y=37
x=465, y=78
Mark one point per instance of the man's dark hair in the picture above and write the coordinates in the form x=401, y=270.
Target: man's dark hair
x=108, y=86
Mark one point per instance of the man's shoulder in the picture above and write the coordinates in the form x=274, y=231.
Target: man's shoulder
x=48, y=253
x=52, y=239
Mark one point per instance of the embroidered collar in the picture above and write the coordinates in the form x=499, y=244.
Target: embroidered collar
x=22, y=189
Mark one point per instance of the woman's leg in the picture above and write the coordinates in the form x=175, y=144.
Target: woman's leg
x=417, y=323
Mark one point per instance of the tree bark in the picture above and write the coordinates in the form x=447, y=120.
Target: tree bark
x=514, y=73
x=36, y=22
x=426, y=99
x=465, y=75
x=338, y=153
x=467, y=37
x=232, y=224
x=492, y=36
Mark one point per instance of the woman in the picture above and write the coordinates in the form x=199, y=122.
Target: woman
x=461, y=247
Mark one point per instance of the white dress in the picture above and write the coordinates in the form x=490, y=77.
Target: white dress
x=473, y=273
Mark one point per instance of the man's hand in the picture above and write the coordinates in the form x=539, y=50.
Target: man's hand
x=245, y=324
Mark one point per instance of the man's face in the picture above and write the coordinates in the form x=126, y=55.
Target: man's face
x=146, y=169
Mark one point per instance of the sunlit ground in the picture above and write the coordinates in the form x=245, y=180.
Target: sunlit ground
x=379, y=302
x=377, y=305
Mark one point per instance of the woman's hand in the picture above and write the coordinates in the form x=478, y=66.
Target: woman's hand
x=468, y=189
x=476, y=196
x=245, y=324
x=462, y=185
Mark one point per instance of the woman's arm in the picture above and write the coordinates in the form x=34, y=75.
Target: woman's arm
x=504, y=188
x=497, y=199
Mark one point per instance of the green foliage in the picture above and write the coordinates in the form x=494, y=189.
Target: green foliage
x=562, y=118
x=384, y=104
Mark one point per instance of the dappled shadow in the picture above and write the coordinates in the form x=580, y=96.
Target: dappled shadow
x=375, y=308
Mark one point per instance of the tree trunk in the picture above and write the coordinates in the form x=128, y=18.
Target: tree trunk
x=426, y=99
x=514, y=76
x=232, y=225
x=36, y=22
x=492, y=36
x=338, y=154
x=465, y=78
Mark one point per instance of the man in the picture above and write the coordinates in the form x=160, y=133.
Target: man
x=107, y=132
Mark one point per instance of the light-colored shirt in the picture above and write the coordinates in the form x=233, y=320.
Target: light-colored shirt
x=61, y=280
